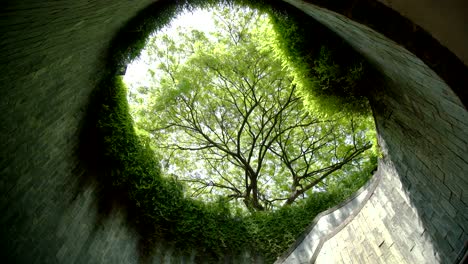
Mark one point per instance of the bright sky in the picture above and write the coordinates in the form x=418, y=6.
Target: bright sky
x=199, y=19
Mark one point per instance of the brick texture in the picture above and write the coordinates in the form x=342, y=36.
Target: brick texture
x=418, y=213
x=52, y=53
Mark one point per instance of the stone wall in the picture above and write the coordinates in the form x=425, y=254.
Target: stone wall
x=52, y=55
x=422, y=127
x=387, y=230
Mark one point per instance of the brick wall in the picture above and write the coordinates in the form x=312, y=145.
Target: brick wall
x=387, y=230
x=423, y=130
x=51, y=57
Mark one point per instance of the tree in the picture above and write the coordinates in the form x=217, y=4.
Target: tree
x=225, y=116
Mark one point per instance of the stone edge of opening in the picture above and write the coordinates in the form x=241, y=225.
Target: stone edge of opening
x=370, y=187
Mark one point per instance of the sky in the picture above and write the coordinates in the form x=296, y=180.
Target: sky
x=200, y=19
x=136, y=74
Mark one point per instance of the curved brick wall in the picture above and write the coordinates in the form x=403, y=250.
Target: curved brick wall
x=421, y=205
x=52, y=53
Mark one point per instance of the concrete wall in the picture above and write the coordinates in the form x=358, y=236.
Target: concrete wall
x=51, y=57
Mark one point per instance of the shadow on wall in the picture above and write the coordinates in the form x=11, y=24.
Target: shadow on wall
x=112, y=200
x=422, y=122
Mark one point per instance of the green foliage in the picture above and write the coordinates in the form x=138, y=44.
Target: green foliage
x=226, y=117
x=274, y=232
x=163, y=212
x=329, y=74
x=210, y=228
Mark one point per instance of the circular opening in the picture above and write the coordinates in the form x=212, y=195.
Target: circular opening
x=217, y=225
x=231, y=117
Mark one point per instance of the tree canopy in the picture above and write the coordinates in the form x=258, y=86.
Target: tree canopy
x=224, y=114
